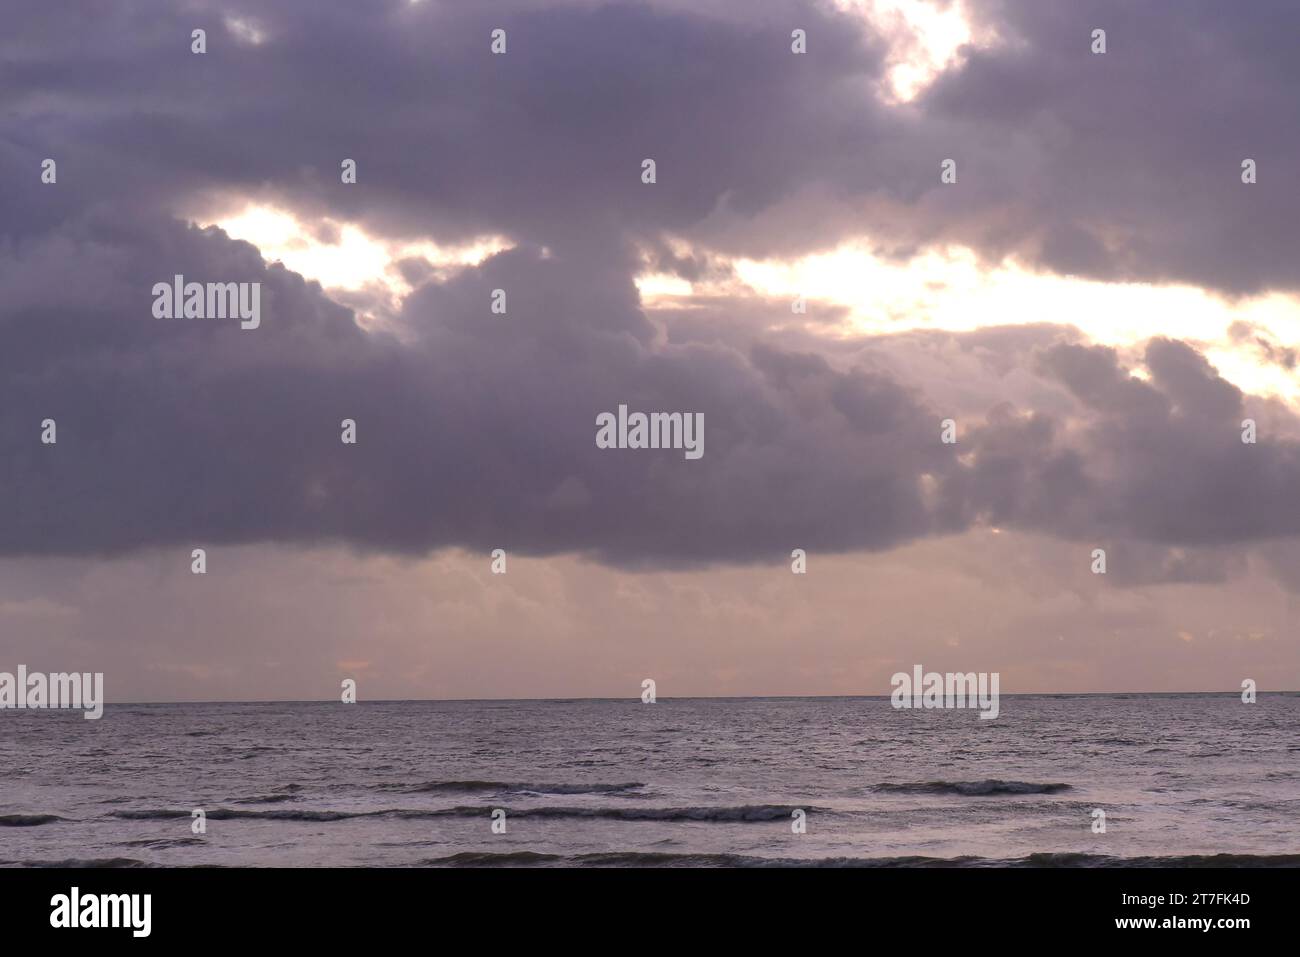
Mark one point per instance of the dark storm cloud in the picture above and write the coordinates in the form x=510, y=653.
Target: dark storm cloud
x=478, y=430
x=1128, y=164
x=544, y=143
x=1160, y=460
x=1121, y=165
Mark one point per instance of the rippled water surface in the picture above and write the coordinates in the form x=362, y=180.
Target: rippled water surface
x=683, y=781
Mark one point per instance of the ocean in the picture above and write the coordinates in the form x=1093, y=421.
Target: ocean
x=1183, y=779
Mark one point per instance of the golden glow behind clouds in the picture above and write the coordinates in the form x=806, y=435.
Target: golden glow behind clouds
x=950, y=290
x=342, y=255
x=925, y=39
x=942, y=289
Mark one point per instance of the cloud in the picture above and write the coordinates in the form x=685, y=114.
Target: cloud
x=1127, y=165
x=478, y=430
x=1160, y=460
x=1124, y=165
x=1263, y=343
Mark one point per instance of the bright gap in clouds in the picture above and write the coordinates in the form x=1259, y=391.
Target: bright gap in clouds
x=341, y=256
x=946, y=290
x=925, y=39
x=949, y=290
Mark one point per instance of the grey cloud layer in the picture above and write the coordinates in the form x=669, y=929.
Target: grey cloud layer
x=479, y=431
x=1124, y=165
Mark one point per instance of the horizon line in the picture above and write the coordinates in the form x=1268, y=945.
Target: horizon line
x=630, y=698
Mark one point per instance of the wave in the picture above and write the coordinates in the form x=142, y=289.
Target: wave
x=95, y=862
x=495, y=859
x=659, y=859
x=741, y=813
x=972, y=788
x=1187, y=860
x=688, y=860
x=662, y=859
x=229, y=814
x=27, y=820
x=608, y=859
x=508, y=787
x=266, y=799
x=161, y=843
x=744, y=812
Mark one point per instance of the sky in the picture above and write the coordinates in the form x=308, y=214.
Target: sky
x=1098, y=302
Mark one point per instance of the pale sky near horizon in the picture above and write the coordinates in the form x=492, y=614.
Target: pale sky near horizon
x=1099, y=301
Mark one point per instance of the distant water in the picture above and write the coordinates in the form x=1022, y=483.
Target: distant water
x=1183, y=779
